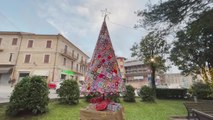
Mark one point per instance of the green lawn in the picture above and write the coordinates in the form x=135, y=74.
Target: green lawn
x=161, y=110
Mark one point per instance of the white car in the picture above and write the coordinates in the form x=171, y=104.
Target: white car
x=58, y=85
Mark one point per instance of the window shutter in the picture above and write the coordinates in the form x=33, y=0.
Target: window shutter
x=14, y=42
x=27, y=59
x=48, y=44
x=46, y=58
x=30, y=44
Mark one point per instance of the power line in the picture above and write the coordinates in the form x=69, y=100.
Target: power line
x=9, y=21
x=124, y=26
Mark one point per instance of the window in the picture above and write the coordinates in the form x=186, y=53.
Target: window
x=65, y=49
x=77, y=56
x=73, y=53
x=48, y=45
x=71, y=64
x=65, y=60
x=11, y=57
x=30, y=44
x=46, y=58
x=63, y=77
x=0, y=40
x=76, y=67
x=82, y=58
x=22, y=75
x=15, y=40
x=27, y=58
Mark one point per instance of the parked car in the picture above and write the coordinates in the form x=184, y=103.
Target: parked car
x=52, y=85
x=58, y=85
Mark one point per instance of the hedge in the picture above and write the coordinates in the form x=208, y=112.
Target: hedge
x=164, y=93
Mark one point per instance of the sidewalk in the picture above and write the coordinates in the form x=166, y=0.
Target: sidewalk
x=5, y=92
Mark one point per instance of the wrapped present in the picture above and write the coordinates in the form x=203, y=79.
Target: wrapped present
x=113, y=106
x=102, y=105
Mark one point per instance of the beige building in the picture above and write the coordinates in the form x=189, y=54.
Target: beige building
x=120, y=61
x=50, y=56
x=176, y=80
x=137, y=74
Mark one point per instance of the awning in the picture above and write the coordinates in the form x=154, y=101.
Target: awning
x=67, y=72
x=41, y=72
x=5, y=70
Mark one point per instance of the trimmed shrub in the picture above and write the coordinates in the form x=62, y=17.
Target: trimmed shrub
x=201, y=90
x=129, y=96
x=69, y=92
x=38, y=97
x=29, y=95
x=165, y=93
x=147, y=94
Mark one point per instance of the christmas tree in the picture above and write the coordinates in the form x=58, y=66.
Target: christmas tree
x=103, y=74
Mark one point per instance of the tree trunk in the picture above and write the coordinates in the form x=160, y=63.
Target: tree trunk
x=153, y=79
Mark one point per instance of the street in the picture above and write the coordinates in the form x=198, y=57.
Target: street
x=5, y=92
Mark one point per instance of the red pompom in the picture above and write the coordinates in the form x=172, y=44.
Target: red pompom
x=103, y=60
x=99, y=56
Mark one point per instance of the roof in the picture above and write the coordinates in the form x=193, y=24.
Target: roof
x=13, y=33
x=121, y=58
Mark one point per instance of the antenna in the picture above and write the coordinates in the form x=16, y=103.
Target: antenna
x=105, y=13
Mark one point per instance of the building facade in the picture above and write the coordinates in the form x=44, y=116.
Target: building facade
x=137, y=74
x=176, y=80
x=51, y=56
x=120, y=61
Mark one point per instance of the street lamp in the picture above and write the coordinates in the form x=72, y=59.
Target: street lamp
x=153, y=76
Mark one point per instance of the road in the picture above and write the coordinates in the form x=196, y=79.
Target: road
x=5, y=92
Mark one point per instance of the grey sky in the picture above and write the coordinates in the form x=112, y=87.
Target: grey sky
x=79, y=21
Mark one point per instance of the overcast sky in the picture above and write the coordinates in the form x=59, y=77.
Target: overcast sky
x=78, y=20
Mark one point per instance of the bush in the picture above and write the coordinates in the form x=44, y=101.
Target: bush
x=147, y=94
x=165, y=93
x=129, y=96
x=201, y=90
x=69, y=92
x=29, y=95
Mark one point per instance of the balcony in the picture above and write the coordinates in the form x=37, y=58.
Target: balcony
x=68, y=54
x=82, y=62
x=129, y=74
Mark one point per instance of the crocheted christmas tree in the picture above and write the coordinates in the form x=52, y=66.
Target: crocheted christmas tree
x=103, y=74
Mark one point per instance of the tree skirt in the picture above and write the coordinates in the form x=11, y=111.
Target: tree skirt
x=90, y=113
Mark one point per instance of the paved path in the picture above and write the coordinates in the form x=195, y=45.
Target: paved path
x=5, y=92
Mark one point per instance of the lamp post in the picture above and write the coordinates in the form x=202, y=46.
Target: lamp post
x=153, y=76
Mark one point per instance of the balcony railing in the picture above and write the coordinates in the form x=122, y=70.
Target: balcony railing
x=82, y=62
x=68, y=54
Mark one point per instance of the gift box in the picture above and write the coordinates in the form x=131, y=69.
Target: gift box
x=114, y=106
